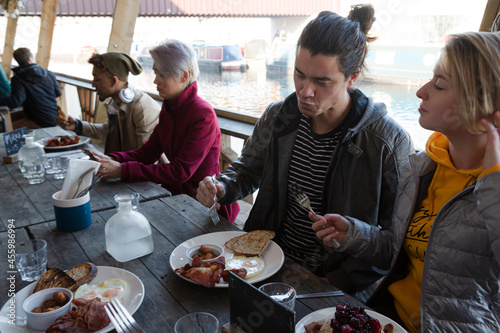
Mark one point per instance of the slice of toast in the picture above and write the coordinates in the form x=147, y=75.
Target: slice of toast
x=82, y=274
x=230, y=243
x=54, y=278
x=253, y=243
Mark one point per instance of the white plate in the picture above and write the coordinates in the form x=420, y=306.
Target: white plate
x=273, y=255
x=83, y=140
x=131, y=300
x=329, y=313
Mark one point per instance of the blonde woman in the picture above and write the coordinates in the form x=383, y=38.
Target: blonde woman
x=443, y=249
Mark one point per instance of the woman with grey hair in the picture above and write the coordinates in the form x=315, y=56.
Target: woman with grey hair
x=188, y=131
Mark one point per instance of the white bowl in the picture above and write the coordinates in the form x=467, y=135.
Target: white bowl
x=41, y=321
x=217, y=250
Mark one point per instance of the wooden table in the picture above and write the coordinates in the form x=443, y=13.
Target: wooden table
x=174, y=220
x=32, y=204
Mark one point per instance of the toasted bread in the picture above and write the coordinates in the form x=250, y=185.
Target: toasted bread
x=82, y=274
x=251, y=244
x=61, y=114
x=54, y=278
x=71, y=279
x=230, y=243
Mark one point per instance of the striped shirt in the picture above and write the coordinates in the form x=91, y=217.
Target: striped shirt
x=311, y=157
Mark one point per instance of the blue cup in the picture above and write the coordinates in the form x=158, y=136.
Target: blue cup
x=72, y=214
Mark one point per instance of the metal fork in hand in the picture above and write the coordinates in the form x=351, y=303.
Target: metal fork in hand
x=213, y=211
x=121, y=318
x=303, y=200
x=80, y=180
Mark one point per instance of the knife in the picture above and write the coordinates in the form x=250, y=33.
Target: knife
x=323, y=294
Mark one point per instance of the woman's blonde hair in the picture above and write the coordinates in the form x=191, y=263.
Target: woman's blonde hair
x=472, y=60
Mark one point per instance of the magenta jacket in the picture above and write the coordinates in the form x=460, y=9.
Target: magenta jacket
x=188, y=133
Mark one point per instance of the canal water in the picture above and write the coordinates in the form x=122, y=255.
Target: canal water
x=252, y=91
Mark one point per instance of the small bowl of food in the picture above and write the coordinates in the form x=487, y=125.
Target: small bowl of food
x=205, y=252
x=45, y=306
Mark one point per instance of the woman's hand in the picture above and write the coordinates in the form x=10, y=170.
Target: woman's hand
x=492, y=153
x=329, y=227
x=207, y=190
x=110, y=168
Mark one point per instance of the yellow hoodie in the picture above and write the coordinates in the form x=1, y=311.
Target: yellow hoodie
x=446, y=183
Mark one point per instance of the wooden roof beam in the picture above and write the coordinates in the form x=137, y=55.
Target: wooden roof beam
x=10, y=35
x=48, y=19
x=490, y=12
x=122, y=29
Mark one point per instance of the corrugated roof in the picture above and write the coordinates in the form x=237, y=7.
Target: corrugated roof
x=228, y=8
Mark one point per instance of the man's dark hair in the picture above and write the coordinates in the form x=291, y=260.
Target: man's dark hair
x=346, y=37
x=22, y=55
x=98, y=61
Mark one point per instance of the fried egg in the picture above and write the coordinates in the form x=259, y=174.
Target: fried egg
x=253, y=265
x=105, y=290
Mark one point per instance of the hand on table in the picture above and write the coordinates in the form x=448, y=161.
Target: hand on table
x=329, y=227
x=68, y=125
x=109, y=168
x=492, y=153
x=206, y=191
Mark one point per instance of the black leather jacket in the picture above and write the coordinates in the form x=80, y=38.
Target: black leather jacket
x=362, y=179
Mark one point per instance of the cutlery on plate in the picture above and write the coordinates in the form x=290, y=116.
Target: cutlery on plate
x=121, y=318
x=323, y=294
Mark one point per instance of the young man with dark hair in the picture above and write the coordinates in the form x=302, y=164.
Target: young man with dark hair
x=35, y=89
x=342, y=149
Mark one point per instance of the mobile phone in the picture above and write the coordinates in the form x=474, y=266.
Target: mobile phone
x=89, y=153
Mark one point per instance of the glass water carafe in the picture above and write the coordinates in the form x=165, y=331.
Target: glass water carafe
x=128, y=233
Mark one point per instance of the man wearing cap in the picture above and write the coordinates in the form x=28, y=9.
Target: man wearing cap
x=132, y=114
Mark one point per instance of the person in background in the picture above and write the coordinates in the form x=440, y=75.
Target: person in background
x=343, y=150
x=188, y=132
x=443, y=248
x=35, y=89
x=132, y=114
x=4, y=84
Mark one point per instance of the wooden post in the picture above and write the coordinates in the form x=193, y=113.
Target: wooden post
x=10, y=35
x=49, y=13
x=490, y=12
x=122, y=29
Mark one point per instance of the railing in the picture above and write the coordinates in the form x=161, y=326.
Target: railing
x=232, y=123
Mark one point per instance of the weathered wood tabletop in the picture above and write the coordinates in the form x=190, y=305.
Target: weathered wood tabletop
x=167, y=297
x=27, y=213
x=31, y=204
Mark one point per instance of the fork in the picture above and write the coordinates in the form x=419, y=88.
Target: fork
x=95, y=179
x=80, y=180
x=121, y=318
x=213, y=211
x=304, y=201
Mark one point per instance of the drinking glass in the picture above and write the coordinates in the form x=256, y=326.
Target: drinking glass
x=31, y=259
x=281, y=293
x=59, y=167
x=197, y=322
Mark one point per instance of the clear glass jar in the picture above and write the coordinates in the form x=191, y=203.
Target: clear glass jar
x=128, y=233
x=31, y=160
